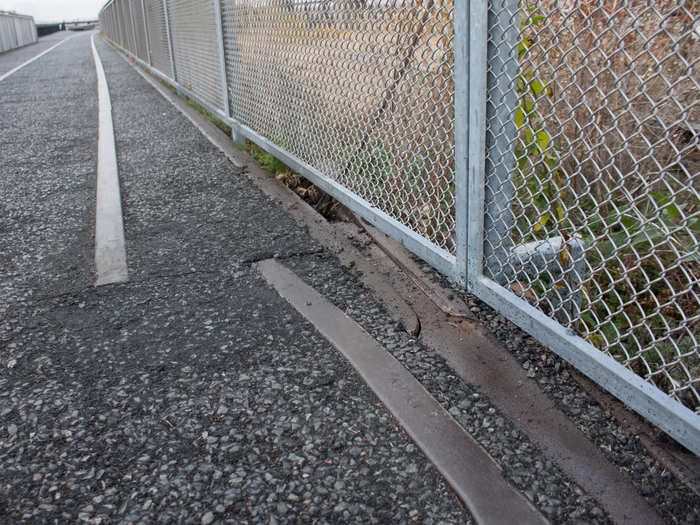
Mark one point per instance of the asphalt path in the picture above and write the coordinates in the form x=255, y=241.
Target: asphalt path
x=48, y=125
x=193, y=393
x=16, y=57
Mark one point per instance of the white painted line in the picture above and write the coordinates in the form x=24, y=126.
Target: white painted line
x=37, y=57
x=110, y=246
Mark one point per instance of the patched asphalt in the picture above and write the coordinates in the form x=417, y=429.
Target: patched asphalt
x=193, y=393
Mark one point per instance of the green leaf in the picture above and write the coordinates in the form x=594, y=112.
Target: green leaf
x=541, y=201
x=523, y=47
x=659, y=197
x=672, y=211
x=537, y=87
x=551, y=158
x=664, y=202
x=528, y=136
x=542, y=139
x=588, y=318
x=606, y=249
x=541, y=223
x=628, y=222
x=519, y=117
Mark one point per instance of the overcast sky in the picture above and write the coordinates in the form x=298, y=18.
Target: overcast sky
x=55, y=10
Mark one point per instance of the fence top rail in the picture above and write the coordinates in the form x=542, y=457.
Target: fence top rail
x=110, y=2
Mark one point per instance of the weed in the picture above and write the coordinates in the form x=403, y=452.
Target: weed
x=210, y=116
x=268, y=161
x=168, y=85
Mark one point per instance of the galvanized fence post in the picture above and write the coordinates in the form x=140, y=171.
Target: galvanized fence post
x=222, y=55
x=499, y=184
x=171, y=49
x=145, y=31
x=462, y=129
x=133, y=29
x=478, y=10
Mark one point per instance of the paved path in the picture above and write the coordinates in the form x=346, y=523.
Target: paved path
x=12, y=59
x=193, y=392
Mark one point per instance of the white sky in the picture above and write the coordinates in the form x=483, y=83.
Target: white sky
x=55, y=10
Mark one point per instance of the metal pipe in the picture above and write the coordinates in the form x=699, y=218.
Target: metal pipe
x=171, y=49
x=222, y=54
x=474, y=228
x=499, y=187
x=145, y=30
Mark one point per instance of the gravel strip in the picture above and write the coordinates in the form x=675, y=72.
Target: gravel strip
x=524, y=465
x=668, y=495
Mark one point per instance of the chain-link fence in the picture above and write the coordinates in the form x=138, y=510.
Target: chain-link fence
x=592, y=203
x=16, y=31
x=543, y=153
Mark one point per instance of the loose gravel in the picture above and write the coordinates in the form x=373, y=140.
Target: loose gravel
x=177, y=401
x=543, y=483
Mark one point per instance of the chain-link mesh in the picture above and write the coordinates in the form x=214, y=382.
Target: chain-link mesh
x=127, y=26
x=362, y=91
x=196, y=51
x=120, y=23
x=593, y=203
x=158, y=35
x=592, y=206
x=139, y=29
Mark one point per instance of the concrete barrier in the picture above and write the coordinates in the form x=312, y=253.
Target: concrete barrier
x=16, y=31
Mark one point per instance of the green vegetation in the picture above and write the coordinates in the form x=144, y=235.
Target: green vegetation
x=266, y=160
x=168, y=85
x=641, y=245
x=210, y=116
